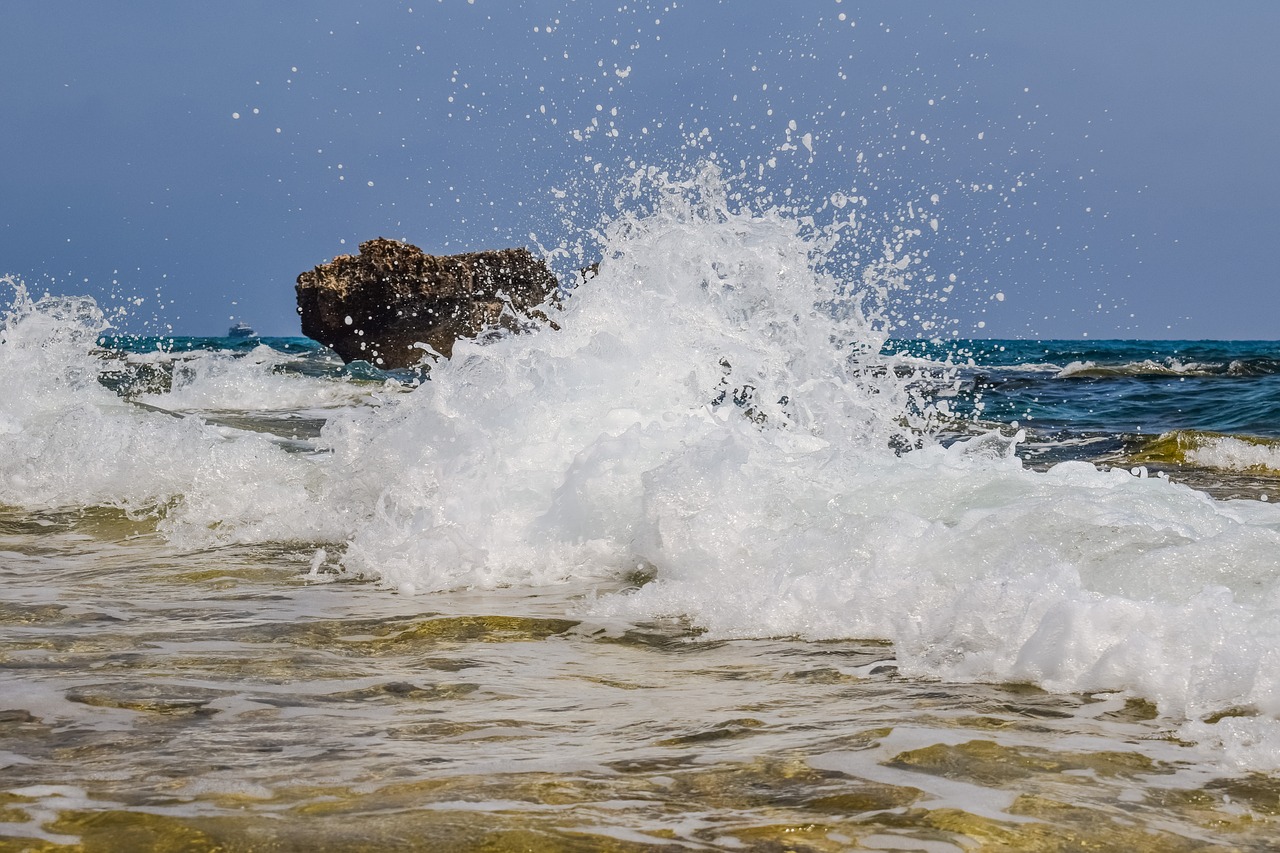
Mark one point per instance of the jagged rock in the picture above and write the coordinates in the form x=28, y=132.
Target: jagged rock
x=378, y=305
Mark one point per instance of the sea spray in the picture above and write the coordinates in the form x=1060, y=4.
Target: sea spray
x=708, y=335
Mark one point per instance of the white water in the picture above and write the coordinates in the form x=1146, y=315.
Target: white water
x=602, y=448
x=1233, y=454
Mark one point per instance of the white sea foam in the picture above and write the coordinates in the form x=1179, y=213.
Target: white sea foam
x=1233, y=454
x=617, y=442
x=1237, y=742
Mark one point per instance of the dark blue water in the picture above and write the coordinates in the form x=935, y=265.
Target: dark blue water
x=1116, y=387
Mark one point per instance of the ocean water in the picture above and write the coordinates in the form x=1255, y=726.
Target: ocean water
x=720, y=564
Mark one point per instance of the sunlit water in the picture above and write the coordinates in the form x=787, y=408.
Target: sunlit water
x=717, y=565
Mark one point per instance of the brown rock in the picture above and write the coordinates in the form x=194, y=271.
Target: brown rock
x=377, y=305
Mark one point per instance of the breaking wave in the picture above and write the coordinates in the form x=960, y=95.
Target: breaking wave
x=716, y=412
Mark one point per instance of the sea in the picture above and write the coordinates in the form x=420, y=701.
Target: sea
x=721, y=563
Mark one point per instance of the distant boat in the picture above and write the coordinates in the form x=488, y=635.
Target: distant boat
x=241, y=330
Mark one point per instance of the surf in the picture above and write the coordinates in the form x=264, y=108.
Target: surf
x=718, y=423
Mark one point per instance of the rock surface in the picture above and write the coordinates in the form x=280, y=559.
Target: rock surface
x=383, y=303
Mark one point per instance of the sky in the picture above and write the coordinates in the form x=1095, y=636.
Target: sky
x=1095, y=168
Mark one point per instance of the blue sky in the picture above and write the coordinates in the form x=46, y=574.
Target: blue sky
x=1107, y=167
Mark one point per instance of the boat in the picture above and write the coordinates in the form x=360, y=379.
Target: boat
x=241, y=330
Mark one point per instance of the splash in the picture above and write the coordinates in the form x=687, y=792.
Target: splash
x=710, y=337
x=715, y=411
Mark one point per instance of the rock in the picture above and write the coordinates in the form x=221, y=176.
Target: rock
x=378, y=305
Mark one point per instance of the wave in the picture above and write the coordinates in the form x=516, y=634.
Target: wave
x=1242, y=453
x=710, y=414
x=1028, y=367
x=1236, y=367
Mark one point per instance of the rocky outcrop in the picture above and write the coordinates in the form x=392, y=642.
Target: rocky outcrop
x=383, y=303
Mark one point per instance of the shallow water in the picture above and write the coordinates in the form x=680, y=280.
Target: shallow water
x=226, y=700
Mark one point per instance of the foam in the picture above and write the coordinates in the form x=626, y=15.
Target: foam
x=1240, y=743
x=1146, y=367
x=1233, y=454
